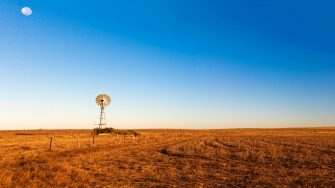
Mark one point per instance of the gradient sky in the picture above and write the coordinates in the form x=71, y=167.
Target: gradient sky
x=168, y=63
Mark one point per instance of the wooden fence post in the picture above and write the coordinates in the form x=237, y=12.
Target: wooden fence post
x=78, y=142
x=50, y=144
x=93, y=141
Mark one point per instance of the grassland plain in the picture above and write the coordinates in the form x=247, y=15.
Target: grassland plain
x=169, y=158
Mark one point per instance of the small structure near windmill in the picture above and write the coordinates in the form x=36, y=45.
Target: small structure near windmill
x=103, y=100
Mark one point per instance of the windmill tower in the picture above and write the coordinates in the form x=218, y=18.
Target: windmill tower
x=103, y=100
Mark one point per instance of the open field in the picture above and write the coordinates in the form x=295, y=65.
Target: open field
x=169, y=158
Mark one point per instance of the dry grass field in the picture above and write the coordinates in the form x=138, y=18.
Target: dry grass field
x=169, y=158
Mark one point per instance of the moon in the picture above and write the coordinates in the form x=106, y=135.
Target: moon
x=26, y=11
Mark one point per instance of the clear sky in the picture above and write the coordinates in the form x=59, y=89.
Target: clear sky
x=167, y=63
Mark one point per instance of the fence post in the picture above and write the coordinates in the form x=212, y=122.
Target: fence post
x=93, y=141
x=50, y=144
x=78, y=142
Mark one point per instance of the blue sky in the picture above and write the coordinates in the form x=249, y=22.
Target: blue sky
x=167, y=64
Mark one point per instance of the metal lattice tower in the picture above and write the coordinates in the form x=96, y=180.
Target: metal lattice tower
x=102, y=123
x=103, y=100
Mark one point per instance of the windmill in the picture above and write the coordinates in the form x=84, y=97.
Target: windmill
x=103, y=100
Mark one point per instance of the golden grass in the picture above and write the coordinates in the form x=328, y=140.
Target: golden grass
x=169, y=158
